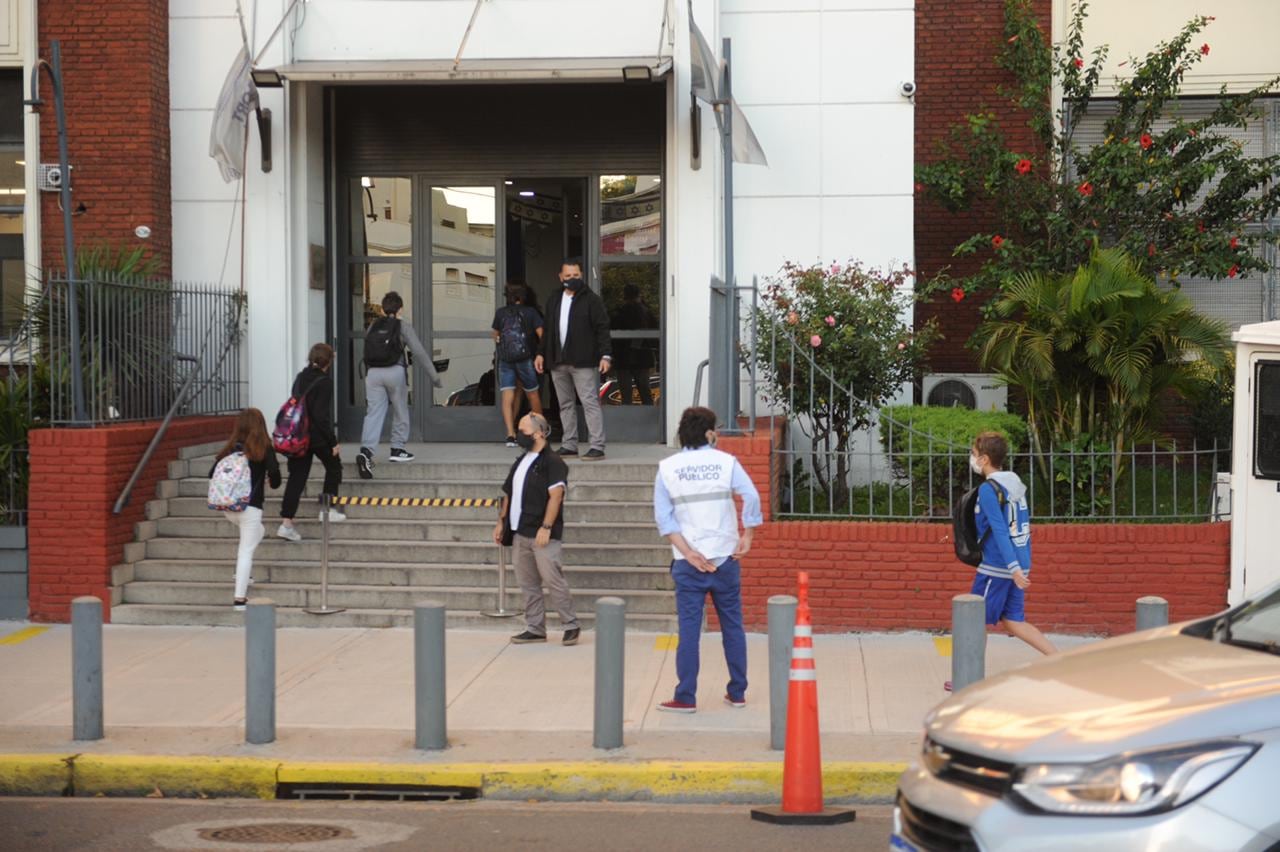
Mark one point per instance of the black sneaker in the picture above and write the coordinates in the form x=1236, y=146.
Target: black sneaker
x=571, y=636
x=364, y=463
x=527, y=638
x=593, y=455
x=511, y=441
x=401, y=456
x=565, y=451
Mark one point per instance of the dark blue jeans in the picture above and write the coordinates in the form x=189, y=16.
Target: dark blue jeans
x=725, y=587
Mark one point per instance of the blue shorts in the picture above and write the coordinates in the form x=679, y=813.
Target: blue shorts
x=521, y=370
x=1004, y=599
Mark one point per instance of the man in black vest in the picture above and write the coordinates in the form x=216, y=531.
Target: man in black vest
x=576, y=350
x=532, y=522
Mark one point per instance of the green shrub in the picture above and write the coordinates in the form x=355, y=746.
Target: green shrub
x=929, y=446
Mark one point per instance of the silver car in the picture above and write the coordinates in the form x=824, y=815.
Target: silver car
x=1167, y=739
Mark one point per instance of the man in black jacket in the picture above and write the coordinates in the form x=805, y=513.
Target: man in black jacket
x=532, y=522
x=576, y=349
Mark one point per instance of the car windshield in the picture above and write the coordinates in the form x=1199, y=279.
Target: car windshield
x=1257, y=625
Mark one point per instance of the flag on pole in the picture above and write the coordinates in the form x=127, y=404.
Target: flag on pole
x=227, y=136
x=746, y=147
x=704, y=70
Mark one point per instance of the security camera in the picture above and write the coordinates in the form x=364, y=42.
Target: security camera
x=908, y=89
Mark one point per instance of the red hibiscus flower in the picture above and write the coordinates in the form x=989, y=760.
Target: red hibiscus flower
x=1023, y=166
x=1079, y=62
x=1145, y=141
x=957, y=295
x=1204, y=50
x=1085, y=189
x=1235, y=242
x=1200, y=227
x=1151, y=249
x=1233, y=271
x=997, y=241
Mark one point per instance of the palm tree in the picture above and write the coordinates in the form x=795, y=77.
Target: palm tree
x=1096, y=351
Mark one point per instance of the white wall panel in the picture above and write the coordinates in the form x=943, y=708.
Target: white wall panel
x=775, y=60
x=791, y=136
x=201, y=51
x=867, y=149
x=769, y=231
x=866, y=55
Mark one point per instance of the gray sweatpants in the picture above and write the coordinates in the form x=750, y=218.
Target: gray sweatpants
x=385, y=385
x=537, y=567
x=584, y=382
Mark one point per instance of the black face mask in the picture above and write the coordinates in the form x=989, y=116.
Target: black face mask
x=526, y=442
x=574, y=284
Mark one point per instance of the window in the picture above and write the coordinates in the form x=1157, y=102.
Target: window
x=1266, y=420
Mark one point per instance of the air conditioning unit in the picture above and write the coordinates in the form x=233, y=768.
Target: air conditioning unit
x=978, y=391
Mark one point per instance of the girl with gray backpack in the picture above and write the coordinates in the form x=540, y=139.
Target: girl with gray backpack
x=237, y=486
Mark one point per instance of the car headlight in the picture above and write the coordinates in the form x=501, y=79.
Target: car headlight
x=1134, y=783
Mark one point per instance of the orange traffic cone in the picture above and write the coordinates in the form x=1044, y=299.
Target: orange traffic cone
x=802, y=761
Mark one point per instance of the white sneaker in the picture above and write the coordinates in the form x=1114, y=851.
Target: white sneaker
x=335, y=515
x=288, y=533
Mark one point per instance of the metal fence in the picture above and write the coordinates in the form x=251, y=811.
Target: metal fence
x=140, y=342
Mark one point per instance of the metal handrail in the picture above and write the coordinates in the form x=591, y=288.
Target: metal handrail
x=178, y=402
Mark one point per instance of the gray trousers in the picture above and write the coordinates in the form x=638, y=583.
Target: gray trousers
x=537, y=567
x=385, y=385
x=584, y=382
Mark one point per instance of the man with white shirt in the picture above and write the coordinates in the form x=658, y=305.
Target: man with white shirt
x=577, y=351
x=693, y=505
x=532, y=522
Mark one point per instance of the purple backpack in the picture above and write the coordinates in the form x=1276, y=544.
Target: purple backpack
x=292, y=435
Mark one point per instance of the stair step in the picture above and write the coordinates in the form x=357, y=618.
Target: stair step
x=656, y=578
x=597, y=512
x=631, y=492
x=639, y=601
x=407, y=552
x=493, y=470
x=224, y=615
x=212, y=526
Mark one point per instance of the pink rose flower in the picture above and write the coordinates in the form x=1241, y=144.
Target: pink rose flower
x=815, y=341
x=793, y=318
x=901, y=346
x=831, y=321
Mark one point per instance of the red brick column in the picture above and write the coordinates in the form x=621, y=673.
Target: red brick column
x=868, y=575
x=76, y=477
x=115, y=66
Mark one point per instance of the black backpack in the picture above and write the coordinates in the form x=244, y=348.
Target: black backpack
x=964, y=525
x=382, y=344
x=513, y=338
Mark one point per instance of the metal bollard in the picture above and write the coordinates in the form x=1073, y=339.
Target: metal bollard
x=782, y=628
x=611, y=634
x=429, y=699
x=86, y=668
x=260, y=672
x=968, y=640
x=1152, y=612
x=501, y=610
x=324, y=608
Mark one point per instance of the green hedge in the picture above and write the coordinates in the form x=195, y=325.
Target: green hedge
x=930, y=446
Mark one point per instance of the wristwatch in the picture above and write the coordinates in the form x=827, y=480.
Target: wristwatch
x=547, y=528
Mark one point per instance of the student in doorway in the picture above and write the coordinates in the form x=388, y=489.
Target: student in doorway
x=1003, y=521
x=693, y=505
x=387, y=381
x=517, y=333
x=250, y=437
x=532, y=522
x=315, y=383
x=576, y=350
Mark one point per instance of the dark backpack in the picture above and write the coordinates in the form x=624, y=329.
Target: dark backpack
x=292, y=435
x=964, y=525
x=382, y=344
x=513, y=338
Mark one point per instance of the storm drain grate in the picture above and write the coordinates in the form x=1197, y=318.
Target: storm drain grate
x=374, y=792
x=276, y=833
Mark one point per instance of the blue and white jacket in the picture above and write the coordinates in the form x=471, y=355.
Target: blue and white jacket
x=1008, y=544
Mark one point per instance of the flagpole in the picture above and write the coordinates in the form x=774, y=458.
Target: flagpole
x=731, y=302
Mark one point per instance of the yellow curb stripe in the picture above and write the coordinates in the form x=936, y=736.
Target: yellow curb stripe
x=943, y=644
x=191, y=777
x=23, y=635
x=666, y=642
x=34, y=774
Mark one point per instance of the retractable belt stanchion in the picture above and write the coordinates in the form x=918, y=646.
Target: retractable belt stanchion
x=324, y=608
x=501, y=610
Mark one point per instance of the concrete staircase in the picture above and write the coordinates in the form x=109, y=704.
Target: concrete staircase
x=180, y=568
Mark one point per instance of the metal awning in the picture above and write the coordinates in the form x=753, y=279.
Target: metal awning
x=576, y=69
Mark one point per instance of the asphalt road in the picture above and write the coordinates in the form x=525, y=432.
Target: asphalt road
x=130, y=825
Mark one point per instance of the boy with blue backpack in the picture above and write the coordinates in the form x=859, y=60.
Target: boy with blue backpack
x=1002, y=522
x=517, y=332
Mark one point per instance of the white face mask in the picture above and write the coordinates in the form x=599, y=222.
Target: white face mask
x=974, y=464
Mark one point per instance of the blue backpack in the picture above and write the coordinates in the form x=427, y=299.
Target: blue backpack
x=513, y=337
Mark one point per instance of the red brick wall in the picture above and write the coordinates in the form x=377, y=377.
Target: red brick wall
x=956, y=74
x=76, y=477
x=115, y=66
x=900, y=576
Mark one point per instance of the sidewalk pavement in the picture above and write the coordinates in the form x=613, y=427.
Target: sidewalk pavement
x=345, y=698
